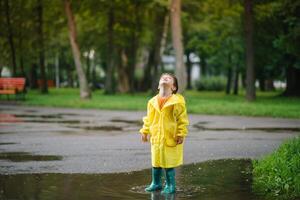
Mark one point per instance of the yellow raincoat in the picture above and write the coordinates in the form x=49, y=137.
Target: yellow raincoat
x=164, y=126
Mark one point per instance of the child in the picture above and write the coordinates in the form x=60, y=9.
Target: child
x=166, y=126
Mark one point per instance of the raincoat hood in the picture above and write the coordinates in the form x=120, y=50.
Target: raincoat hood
x=174, y=99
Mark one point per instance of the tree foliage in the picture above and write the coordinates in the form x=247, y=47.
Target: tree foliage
x=121, y=54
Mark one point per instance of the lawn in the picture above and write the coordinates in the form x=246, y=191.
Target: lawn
x=214, y=103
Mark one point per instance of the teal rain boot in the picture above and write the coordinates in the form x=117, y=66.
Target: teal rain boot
x=156, y=180
x=170, y=186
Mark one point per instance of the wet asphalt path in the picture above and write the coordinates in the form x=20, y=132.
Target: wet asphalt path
x=58, y=140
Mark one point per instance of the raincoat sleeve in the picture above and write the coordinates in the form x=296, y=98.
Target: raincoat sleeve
x=182, y=120
x=146, y=120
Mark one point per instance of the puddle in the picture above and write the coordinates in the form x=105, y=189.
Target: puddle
x=265, y=129
x=72, y=114
x=7, y=143
x=136, y=122
x=98, y=128
x=31, y=111
x=50, y=116
x=9, y=118
x=24, y=156
x=203, y=122
x=212, y=180
x=56, y=121
x=29, y=118
x=235, y=138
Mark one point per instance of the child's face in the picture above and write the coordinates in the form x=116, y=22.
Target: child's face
x=166, y=80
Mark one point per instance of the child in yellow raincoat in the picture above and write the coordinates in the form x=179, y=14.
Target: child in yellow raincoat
x=166, y=127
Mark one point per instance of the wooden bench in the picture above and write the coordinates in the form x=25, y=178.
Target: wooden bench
x=13, y=86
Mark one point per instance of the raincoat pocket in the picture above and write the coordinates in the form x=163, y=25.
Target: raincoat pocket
x=154, y=138
x=170, y=135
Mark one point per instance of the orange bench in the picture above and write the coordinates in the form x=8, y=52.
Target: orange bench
x=12, y=86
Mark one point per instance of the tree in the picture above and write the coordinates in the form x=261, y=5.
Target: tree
x=84, y=89
x=10, y=37
x=180, y=70
x=250, y=74
x=288, y=42
x=41, y=50
x=109, y=79
x=158, y=22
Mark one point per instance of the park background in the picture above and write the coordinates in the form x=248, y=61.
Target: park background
x=231, y=57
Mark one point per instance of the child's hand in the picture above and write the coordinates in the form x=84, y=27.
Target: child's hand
x=179, y=140
x=144, y=137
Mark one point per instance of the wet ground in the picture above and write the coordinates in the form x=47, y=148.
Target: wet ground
x=221, y=179
x=92, y=154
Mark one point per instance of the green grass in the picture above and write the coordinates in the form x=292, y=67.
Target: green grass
x=278, y=174
x=212, y=103
x=267, y=104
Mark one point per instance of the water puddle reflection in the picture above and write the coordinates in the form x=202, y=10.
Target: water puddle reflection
x=199, y=126
x=221, y=179
x=24, y=156
x=98, y=128
x=135, y=122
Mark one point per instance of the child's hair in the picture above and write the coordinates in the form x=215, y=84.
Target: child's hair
x=174, y=80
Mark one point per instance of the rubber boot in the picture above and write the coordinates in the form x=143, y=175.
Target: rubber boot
x=156, y=180
x=170, y=186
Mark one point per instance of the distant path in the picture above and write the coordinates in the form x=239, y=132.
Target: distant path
x=101, y=141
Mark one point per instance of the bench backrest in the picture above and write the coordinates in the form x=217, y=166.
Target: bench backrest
x=12, y=83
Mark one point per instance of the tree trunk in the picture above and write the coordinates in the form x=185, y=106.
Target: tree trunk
x=20, y=36
x=21, y=57
x=85, y=92
x=57, y=81
x=41, y=50
x=70, y=75
x=180, y=70
x=154, y=59
x=109, y=86
x=269, y=84
x=261, y=82
x=148, y=71
x=244, y=80
x=229, y=80
x=123, y=83
x=88, y=68
x=33, y=77
x=236, y=81
x=134, y=45
x=189, y=70
x=94, y=83
x=292, y=81
x=132, y=62
x=203, y=68
x=250, y=74
x=158, y=68
x=10, y=37
x=164, y=38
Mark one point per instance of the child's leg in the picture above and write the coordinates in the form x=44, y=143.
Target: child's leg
x=170, y=186
x=156, y=180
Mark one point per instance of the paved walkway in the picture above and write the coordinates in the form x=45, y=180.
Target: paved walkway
x=62, y=140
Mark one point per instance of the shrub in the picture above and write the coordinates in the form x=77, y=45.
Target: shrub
x=278, y=174
x=211, y=83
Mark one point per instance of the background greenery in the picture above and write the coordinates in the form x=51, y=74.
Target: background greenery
x=129, y=32
x=216, y=103
x=278, y=174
